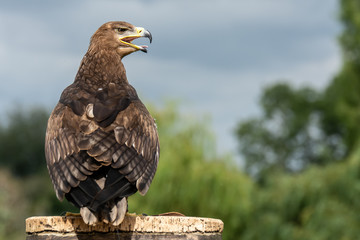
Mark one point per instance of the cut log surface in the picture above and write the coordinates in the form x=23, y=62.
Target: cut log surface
x=133, y=227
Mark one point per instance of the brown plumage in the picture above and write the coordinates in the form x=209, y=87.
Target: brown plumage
x=101, y=143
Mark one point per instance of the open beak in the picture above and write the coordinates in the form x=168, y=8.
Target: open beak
x=140, y=32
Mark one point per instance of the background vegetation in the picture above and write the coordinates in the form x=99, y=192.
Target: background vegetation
x=302, y=162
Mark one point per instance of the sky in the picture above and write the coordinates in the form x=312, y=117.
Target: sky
x=213, y=56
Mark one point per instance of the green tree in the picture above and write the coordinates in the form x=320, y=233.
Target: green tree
x=13, y=207
x=299, y=127
x=22, y=141
x=288, y=135
x=321, y=203
x=342, y=98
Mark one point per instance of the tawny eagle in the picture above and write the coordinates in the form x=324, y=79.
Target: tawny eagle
x=101, y=142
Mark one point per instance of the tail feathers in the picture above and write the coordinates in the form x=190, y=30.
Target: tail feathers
x=93, y=196
x=102, y=196
x=120, y=188
x=83, y=195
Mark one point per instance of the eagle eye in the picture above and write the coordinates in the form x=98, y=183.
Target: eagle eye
x=121, y=29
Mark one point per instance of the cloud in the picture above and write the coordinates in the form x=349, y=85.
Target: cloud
x=229, y=95
x=216, y=55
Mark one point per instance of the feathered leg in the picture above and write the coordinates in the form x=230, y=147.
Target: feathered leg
x=109, y=211
x=88, y=216
x=121, y=212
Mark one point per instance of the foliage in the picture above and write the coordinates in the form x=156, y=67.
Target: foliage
x=289, y=135
x=299, y=127
x=342, y=95
x=25, y=131
x=12, y=207
x=319, y=203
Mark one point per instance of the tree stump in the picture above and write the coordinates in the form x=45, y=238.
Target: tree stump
x=133, y=227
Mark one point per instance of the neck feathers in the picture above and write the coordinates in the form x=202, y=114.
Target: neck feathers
x=99, y=68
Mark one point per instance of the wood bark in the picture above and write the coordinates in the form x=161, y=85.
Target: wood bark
x=133, y=227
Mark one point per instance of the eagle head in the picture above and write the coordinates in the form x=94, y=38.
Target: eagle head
x=118, y=36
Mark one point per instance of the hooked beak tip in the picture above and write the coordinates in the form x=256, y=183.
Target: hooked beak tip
x=148, y=35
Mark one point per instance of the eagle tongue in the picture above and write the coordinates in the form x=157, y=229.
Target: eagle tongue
x=143, y=48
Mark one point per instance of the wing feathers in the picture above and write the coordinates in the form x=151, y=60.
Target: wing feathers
x=73, y=182
x=106, y=156
x=62, y=184
x=55, y=177
x=116, y=156
x=86, y=142
x=102, y=147
x=143, y=183
x=121, y=134
x=126, y=154
x=134, y=171
x=87, y=162
x=76, y=169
